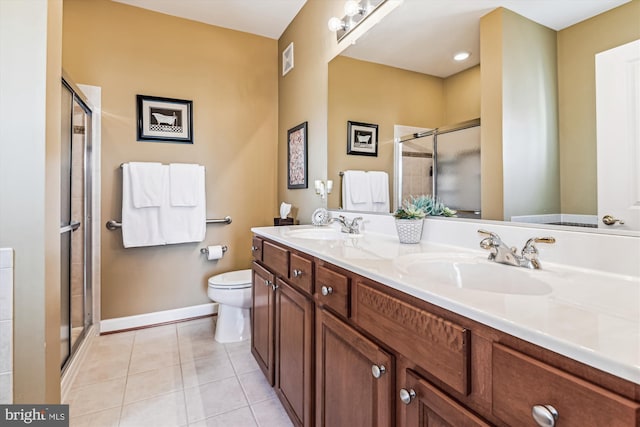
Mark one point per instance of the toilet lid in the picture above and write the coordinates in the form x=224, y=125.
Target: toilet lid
x=231, y=279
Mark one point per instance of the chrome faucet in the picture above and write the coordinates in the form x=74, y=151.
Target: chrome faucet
x=348, y=226
x=499, y=252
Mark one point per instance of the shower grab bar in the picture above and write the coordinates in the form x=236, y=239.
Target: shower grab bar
x=114, y=225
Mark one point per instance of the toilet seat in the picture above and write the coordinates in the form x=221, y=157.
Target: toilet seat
x=240, y=279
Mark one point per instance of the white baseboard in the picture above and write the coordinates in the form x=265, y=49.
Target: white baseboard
x=148, y=319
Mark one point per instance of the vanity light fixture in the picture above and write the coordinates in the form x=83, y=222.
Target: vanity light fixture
x=323, y=189
x=353, y=7
x=461, y=56
x=355, y=12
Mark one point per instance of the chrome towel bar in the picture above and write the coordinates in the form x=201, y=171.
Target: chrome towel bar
x=114, y=225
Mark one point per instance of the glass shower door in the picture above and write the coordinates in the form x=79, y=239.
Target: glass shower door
x=75, y=290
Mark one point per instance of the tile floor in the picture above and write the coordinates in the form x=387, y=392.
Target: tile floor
x=174, y=375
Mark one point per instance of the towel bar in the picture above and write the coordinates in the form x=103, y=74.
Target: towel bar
x=114, y=225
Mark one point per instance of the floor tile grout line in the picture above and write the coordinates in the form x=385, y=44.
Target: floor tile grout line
x=133, y=344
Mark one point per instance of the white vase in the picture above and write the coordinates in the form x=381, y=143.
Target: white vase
x=409, y=230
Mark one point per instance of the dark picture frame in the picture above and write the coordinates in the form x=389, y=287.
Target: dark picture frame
x=297, y=153
x=362, y=139
x=164, y=119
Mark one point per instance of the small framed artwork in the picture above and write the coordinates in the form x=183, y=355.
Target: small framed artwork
x=362, y=139
x=165, y=119
x=297, y=157
x=287, y=59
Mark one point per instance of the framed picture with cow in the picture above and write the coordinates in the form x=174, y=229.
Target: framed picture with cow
x=165, y=119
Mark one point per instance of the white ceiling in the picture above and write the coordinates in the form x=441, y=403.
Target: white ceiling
x=419, y=35
x=268, y=18
x=423, y=35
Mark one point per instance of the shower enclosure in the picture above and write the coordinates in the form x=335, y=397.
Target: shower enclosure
x=75, y=221
x=443, y=162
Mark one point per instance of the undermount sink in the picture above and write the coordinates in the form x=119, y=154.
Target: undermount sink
x=471, y=272
x=320, y=233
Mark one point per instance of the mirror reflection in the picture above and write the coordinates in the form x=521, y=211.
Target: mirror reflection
x=538, y=133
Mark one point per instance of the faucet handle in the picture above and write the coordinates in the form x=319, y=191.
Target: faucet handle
x=490, y=235
x=530, y=247
x=530, y=252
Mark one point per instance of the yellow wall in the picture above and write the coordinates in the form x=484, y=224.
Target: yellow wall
x=372, y=93
x=519, y=133
x=231, y=78
x=577, y=46
x=302, y=97
x=491, y=169
x=462, y=96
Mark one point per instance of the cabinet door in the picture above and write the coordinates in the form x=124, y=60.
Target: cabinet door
x=262, y=320
x=347, y=391
x=294, y=353
x=425, y=405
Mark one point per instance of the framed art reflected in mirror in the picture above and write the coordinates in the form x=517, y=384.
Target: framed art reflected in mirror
x=362, y=139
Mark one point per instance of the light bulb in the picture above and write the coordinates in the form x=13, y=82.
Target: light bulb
x=461, y=56
x=336, y=24
x=352, y=7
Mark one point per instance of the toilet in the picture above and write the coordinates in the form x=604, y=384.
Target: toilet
x=232, y=292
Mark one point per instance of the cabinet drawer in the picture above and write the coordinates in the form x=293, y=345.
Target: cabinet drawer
x=333, y=290
x=439, y=346
x=276, y=258
x=301, y=273
x=520, y=382
x=256, y=248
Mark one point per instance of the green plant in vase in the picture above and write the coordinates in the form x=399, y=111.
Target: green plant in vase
x=431, y=206
x=409, y=217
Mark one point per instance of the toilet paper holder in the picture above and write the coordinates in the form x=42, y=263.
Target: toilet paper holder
x=205, y=251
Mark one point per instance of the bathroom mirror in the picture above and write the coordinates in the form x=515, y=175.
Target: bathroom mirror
x=369, y=83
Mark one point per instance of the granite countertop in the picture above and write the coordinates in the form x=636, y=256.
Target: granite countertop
x=587, y=315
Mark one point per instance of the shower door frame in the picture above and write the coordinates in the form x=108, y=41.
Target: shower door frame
x=86, y=221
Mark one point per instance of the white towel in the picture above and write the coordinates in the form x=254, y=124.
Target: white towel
x=379, y=183
x=183, y=184
x=356, y=192
x=140, y=226
x=146, y=184
x=182, y=224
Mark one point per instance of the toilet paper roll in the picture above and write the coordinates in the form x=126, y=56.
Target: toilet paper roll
x=214, y=252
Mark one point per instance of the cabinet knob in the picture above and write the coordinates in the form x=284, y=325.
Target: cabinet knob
x=544, y=415
x=274, y=286
x=297, y=273
x=268, y=282
x=254, y=248
x=406, y=396
x=326, y=290
x=378, y=370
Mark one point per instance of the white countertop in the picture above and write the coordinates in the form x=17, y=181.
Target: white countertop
x=587, y=315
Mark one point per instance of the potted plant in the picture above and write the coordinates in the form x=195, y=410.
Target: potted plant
x=410, y=216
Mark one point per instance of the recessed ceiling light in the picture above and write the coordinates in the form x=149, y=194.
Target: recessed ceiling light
x=461, y=56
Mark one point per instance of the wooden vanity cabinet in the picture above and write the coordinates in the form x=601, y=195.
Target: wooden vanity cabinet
x=425, y=405
x=282, y=321
x=521, y=383
x=294, y=352
x=263, y=320
x=354, y=377
x=343, y=350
